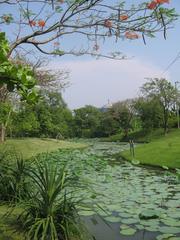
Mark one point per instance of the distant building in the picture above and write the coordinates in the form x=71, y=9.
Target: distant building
x=106, y=106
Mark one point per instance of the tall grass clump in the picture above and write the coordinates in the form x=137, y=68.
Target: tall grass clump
x=50, y=212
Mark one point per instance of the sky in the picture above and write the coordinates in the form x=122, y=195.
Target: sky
x=95, y=82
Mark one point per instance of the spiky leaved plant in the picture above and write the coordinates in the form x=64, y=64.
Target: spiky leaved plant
x=50, y=212
x=13, y=177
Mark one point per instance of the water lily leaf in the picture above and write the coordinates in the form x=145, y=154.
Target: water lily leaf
x=125, y=215
x=172, y=230
x=135, y=162
x=140, y=227
x=149, y=214
x=165, y=167
x=171, y=222
x=164, y=236
x=124, y=226
x=128, y=231
x=152, y=228
x=130, y=220
x=113, y=219
x=86, y=213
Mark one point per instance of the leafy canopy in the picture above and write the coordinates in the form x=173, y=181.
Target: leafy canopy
x=14, y=75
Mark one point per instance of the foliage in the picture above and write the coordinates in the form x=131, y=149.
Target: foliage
x=5, y=108
x=111, y=182
x=15, y=76
x=50, y=117
x=108, y=125
x=150, y=113
x=123, y=113
x=91, y=22
x=24, y=123
x=165, y=93
x=50, y=209
x=13, y=183
x=86, y=121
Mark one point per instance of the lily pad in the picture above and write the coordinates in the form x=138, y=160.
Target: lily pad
x=86, y=213
x=113, y=219
x=172, y=230
x=165, y=167
x=129, y=220
x=139, y=227
x=171, y=222
x=152, y=228
x=149, y=214
x=128, y=231
x=135, y=162
x=124, y=226
x=164, y=236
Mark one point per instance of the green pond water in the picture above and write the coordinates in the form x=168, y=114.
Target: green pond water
x=127, y=201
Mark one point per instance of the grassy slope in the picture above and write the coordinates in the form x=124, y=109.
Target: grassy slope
x=29, y=147
x=164, y=151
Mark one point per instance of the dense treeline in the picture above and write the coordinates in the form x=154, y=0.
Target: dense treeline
x=50, y=117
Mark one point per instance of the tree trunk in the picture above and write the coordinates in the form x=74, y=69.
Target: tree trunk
x=2, y=133
x=166, y=122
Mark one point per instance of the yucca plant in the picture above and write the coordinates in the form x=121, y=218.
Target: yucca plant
x=50, y=211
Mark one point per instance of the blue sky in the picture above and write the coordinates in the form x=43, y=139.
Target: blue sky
x=96, y=81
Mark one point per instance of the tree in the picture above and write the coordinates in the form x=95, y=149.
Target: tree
x=164, y=92
x=5, y=112
x=15, y=76
x=25, y=122
x=90, y=21
x=49, y=117
x=108, y=125
x=149, y=112
x=47, y=79
x=55, y=119
x=86, y=121
x=123, y=113
x=51, y=23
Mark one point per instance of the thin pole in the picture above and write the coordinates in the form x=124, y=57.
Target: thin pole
x=177, y=106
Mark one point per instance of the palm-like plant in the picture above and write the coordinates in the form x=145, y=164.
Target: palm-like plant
x=50, y=211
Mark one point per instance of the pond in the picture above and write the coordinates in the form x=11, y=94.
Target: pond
x=128, y=202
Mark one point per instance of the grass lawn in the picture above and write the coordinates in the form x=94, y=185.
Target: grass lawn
x=164, y=151
x=29, y=147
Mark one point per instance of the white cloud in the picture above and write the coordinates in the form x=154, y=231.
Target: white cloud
x=94, y=82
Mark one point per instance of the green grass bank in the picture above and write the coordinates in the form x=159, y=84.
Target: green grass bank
x=30, y=147
x=162, y=151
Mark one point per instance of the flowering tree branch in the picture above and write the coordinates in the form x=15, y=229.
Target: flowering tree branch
x=47, y=27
